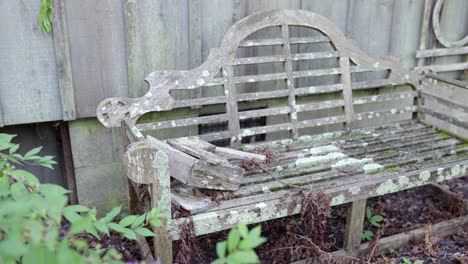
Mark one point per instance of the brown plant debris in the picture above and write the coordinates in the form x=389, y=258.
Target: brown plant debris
x=373, y=246
x=188, y=245
x=253, y=165
x=315, y=210
x=427, y=241
x=305, y=240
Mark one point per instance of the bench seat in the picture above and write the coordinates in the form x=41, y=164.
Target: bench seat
x=411, y=154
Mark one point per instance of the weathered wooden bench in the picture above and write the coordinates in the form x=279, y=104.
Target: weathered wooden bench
x=336, y=119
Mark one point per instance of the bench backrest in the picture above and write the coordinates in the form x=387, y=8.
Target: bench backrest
x=284, y=71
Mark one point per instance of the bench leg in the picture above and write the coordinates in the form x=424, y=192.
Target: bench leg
x=354, y=225
x=161, y=197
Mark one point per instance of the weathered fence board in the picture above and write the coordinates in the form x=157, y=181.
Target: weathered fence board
x=97, y=52
x=28, y=77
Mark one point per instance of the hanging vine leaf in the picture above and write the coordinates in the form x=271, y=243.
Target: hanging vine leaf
x=44, y=19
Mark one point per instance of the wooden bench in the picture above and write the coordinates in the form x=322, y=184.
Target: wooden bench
x=336, y=119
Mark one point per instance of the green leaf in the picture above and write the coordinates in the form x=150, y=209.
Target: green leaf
x=128, y=220
x=71, y=216
x=29, y=178
x=243, y=230
x=53, y=190
x=13, y=148
x=80, y=225
x=39, y=255
x=77, y=208
x=377, y=218
x=156, y=222
x=112, y=214
x=32, y=152
x=233, y=240
x=51, y=237
x=129, y=234
x=5, y=140
x=18, y=191
x=367, y=235
x=144, y=232
x=418, y=261
x=221, y=249
x=123, y=230
x=251, y=242
x=116, y=227
x=407, y=261
x=91, y=229
x=138, y=221
x=12, y=248
x=256, y=231
x=368, y=213
x=243, y=257
x=102, y=227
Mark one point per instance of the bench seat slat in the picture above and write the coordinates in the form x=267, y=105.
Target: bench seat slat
x=283, y=203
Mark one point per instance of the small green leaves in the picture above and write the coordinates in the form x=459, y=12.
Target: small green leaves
x=367, y=235
x=373, y=219
x=240, y=245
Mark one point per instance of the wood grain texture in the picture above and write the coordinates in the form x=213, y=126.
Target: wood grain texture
x=29, y=90
x=97, y=52
x=354, y=225
x=62, y=57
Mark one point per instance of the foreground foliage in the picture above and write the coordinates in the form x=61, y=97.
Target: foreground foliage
x=239, y=246
x=32, y=225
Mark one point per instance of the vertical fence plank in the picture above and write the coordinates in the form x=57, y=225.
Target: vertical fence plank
x=132, y=49
x=62, y=58
x=29, y=90
x=406, y=20
x=195, y=31
x=97, y=52
x=424, y=37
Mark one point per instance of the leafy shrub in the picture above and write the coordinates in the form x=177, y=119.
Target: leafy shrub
x=240, y=245
x=32, y=217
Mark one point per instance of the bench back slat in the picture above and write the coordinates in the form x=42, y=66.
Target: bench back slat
x=287, y=70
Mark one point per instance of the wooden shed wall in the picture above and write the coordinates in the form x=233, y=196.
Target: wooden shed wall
x=113, y=45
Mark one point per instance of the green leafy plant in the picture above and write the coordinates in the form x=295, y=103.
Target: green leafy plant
x=373, y=219
x=32, y=217
x=367, y=235
x=44, y=19
x=239, y=246
x=408, y=261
